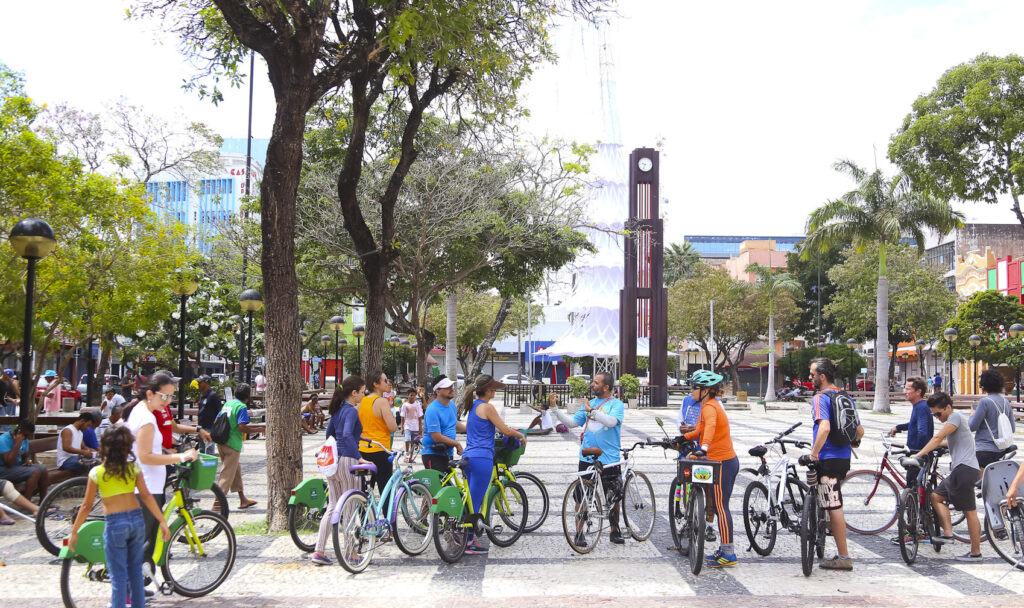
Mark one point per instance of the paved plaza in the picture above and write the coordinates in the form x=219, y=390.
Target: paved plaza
x=541, y=569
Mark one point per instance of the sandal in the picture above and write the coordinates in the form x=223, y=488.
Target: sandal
x=7, y=522
x=247, y=505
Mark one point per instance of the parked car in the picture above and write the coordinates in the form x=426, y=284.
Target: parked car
x=219, y=378
x=66, y=391
x=517, y=379
x=109, y=380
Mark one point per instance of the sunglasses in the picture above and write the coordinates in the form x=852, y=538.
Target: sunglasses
x=165, y=397
x=938, y=414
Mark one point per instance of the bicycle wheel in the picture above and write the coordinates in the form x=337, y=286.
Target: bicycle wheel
x=195, y=567
x=512, y=508
x=84, y=585
x=960, y=531
x=870, y=500
x=206, y=500
x=695, y=530
x=536, y=495
x=582, y=515
x=638, y=506
x=757, y=520
x=451, y=536
x=908, y=527
x=304, y=525
x=677, y=515
x=353, y=543
x=808, y=533
x=62, y=503
x=1011, y=546
x=410, y=518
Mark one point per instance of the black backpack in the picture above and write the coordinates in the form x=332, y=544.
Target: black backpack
x=843, y=421
x=221, y=430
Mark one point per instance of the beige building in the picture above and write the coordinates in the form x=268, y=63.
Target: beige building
x=972, y=272
x=754, y=252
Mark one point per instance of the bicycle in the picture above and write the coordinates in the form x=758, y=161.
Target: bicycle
x=63, y=501
x=776, y=497
x=1004, y=524
x=454, y=518
x=196, y=559
x=812, y=520
x=916, y=513
x=306, y=507
x=587, y=495
x=367, y=520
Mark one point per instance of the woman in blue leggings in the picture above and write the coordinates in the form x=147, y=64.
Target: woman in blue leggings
x=481, y=423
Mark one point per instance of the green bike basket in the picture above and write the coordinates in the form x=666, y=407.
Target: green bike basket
x=202, y=473
x=505, y=456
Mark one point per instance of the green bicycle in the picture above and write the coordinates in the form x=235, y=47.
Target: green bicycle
x=196, y=560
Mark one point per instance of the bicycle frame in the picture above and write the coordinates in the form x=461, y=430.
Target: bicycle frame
x=177, y=504
x=398, y=479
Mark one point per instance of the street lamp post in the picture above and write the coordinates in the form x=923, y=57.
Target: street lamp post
x=324, y=341
x=33, y=239
x=337, y=324
x=974, y=341
x=407, y=344
x=920, y=355
x=342, y=343
x=949, y=336
x=358, y=331
x=851, y=344
x=395, y=341
x=1016, y=330
x=239, y=342
x=494, y=351
x=184, y=287
x=251, y=301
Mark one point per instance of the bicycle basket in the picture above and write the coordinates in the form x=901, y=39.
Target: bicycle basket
x=505, y=456
x=202, y=473
x=699, y=471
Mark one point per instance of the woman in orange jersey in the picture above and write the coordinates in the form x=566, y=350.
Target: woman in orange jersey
x=712, y=433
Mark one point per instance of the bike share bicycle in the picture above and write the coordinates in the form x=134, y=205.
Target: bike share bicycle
x=195, y=561
x=916, y=515
x=1004, y=524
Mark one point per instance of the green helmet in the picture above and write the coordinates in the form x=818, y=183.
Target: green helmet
x=705, y=378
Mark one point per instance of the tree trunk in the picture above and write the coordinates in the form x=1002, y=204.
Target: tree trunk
x=373, y=341
x=451, y=335
x=882, y=346
x=101, y=372
x=485, y=347
x=283, y=397
x=769, y=391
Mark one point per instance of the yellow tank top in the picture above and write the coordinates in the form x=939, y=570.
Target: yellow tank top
x=374, y=426
x=111, y=485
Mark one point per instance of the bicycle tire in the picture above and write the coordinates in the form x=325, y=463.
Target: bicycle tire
x=450, y=536
x=1011, y=548
x=808, y=533
x=88, y=589
x=908, y=525
x=761, y=529
x=304, y=525
x=677, y=514
x=695, y=531
x=349, y=535
x=960, y=531
x=410, y=518
x=537, y=495
x=639, y=506
x=584, y=517
x=867, y=498
x=65, y=499
x=512, y=508
x=214, y=527
x=199, y=499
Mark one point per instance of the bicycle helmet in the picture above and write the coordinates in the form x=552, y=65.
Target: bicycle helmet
x=705, y=378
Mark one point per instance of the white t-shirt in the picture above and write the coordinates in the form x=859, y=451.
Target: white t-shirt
x=261, y=382
x=76, y=442
x=108, y=404
x=154, y=474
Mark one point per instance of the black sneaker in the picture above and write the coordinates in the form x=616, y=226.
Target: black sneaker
x=580, y=540
x=616, y=537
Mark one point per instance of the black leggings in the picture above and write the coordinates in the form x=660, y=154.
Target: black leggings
x=152, y=527
x=384, y=468
x=437, y=462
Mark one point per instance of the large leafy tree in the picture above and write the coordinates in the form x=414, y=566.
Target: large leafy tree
x=471, y=58
x=880, y=210
x=773, y=286
x=988, y=314
x=919, y=303
x=817, y=292
x=680, y=262
x=965, y=138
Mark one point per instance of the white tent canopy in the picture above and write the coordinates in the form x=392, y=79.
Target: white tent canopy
x=594, y=333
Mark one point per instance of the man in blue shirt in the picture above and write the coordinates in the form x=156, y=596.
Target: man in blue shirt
x=439, y=427
x=920, y=428
x=14, y=460
x=689, y=412
x=602, y=439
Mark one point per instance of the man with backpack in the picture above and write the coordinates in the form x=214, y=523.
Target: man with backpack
x=992, y=420
x=231, y=422
x=837, y=429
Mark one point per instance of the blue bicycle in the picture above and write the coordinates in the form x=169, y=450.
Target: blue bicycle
x=402, y=514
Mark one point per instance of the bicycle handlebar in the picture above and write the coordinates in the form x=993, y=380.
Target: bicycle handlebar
x=391, y=454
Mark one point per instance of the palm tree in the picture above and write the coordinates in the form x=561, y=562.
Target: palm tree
x=773, y=285
x=879, y=210
x=680, y=262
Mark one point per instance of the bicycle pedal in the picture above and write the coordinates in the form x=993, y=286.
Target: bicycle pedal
x=166, y=588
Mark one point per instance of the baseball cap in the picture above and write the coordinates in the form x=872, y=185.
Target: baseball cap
x=49, y=373
x=207, y=378
x=9, y=372
x=444, y=383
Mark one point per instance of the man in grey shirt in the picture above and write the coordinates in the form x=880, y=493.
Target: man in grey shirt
x=958, y=488
x=985, y=419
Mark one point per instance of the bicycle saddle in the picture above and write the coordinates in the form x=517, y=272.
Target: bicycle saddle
x=591, y=451
x=758, y=451
x=363, y=469
x=461, y=463
x=910, y=463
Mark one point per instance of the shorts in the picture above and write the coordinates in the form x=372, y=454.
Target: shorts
x=958, y=488
x=831, y=473
x=437, y=462
x=411, y=436
x=20, y=473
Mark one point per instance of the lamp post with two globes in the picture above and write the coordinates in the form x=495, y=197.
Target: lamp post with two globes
x=250, y=301
x=184, y=286
x=949, y=336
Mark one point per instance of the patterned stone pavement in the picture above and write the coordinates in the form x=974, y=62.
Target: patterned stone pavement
x=541, y=569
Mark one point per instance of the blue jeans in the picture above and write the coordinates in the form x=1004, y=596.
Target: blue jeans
x=75, y=464
x=124, y=536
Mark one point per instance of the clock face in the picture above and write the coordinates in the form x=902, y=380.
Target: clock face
x=645, y=164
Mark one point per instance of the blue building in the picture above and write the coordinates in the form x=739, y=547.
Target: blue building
x=725, y=247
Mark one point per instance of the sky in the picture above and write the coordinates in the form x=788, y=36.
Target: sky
x=752, y=101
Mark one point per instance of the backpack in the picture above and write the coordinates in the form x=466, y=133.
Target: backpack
x=221, y=430
x=1005, y=436
x=843, y=419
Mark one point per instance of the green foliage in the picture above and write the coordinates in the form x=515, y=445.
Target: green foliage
x=680, y=262
x=806, y=271
x=988, y=314
x=476, y=314
x=796, y=364
x=630, y=386
x=577, y=386
x=965, y=138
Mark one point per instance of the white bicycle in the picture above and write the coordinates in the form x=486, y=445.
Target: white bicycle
x=776, y=497
x=587, y=502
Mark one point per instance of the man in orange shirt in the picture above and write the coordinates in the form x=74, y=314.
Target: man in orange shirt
x=712, y=433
